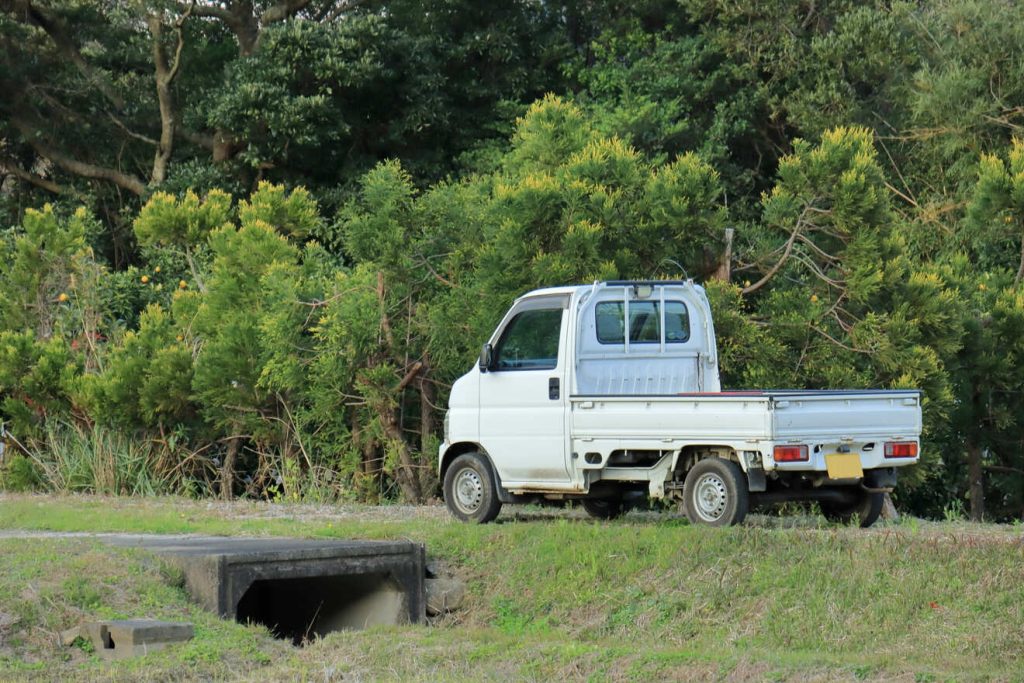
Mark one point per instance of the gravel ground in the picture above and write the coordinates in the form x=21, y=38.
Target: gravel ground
x=242, y=510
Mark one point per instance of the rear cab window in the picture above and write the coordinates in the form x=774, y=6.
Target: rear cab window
x=644, y=322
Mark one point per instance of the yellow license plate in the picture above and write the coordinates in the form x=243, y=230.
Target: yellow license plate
x=843, y=465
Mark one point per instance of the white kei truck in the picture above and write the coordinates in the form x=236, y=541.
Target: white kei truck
x=609, y=394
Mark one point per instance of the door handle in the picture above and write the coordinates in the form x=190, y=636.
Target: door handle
x=553, y=389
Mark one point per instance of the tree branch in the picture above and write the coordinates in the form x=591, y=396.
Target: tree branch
x=1020, y=271
x=165, y=74
x=1002, y=468
x=132, y=134
x=385, y=321
x=31, y=178
x=201, y=139
x=340, y=9
x=181, y=44
x=410, y=376
x=55, y=30
x=282, y=11
x=208, y=11
x=785, y=256
x=238, y=17
x=838, y=343
x=125, y=181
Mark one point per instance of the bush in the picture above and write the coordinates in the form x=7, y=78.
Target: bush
x=20, y=474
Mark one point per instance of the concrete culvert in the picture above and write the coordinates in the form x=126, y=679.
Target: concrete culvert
x=302, y=609
x=298, y=588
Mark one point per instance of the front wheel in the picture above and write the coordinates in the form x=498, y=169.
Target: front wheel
x=865, y=509
x=469, y=490
x=715, y=493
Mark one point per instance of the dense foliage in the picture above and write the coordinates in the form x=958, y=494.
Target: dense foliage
x=262, y=239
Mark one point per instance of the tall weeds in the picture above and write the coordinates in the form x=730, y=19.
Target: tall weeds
x=76, y=459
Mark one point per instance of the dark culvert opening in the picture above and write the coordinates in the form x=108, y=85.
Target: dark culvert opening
x=302, y=609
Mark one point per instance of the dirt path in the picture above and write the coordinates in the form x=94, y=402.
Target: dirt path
x=957, y=532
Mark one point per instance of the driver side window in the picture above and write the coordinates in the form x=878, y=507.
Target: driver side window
x=530, y=341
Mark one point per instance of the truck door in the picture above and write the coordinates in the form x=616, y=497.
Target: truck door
x=523, y=395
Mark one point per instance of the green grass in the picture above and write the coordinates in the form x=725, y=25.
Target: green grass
x=552, y=595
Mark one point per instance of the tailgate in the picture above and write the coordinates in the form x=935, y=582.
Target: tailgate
x=831, y=415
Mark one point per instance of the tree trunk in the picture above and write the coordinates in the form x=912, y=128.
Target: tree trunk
x=407, y=473
x=427, y=427
x=165, y=74
x=975, y=470
x=227, y=470
x=724, y=270
x=427, y=422
x=975, y=475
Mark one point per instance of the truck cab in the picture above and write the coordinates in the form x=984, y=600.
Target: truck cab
x=610, y=393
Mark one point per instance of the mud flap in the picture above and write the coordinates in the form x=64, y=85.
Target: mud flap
x=883, y=478
x=756, y=481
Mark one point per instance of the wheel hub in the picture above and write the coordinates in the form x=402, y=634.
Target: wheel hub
x=710, y=497
x=469, y=491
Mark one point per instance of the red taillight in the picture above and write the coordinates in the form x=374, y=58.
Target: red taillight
x=790, y=453
x=901, y=449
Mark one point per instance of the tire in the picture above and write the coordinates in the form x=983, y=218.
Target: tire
x=602, y=508
x=469, y=489
x=866, y=509
x=715, y=493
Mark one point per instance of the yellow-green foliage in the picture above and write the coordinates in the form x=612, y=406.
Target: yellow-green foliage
x=147, y=379
x=185, y=221
x=292, y=213
x=48, y=281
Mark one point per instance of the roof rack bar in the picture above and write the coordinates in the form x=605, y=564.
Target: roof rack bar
x=646, y=282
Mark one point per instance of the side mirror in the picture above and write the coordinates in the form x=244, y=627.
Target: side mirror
x=486, y=357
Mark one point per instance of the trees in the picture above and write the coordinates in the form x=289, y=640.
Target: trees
x=842, y=176
x=832, y=282
x=112, y=103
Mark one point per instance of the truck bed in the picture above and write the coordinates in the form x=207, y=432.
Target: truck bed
x=749, y=420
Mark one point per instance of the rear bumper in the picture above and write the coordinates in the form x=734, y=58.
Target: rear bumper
x=846, y=491
x=872, y=458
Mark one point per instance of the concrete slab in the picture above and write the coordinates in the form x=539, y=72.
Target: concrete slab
x=297, y=587
x=135, y=637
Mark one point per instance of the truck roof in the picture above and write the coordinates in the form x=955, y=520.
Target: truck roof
x=572, y=289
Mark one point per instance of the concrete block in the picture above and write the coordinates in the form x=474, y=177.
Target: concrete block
x=443, y=595
x=68, y=637
x=135, y=637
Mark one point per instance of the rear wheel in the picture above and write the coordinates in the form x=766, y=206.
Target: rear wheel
x=865, y=509
x=602, y=508
x=469, y=490
x=715, y=493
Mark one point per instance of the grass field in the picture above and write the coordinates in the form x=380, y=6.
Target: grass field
x=552, y=596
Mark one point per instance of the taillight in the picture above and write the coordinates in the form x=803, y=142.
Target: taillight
x=901, y=449
x=790, y=453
